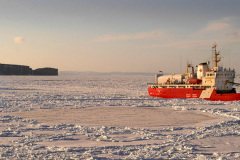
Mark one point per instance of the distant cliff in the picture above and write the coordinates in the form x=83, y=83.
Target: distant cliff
x=45, y=71
x=11, y=69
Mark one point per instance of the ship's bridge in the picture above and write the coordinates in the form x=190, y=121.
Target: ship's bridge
x=218, y=78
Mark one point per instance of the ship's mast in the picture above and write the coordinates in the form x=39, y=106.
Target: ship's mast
x=216, y=59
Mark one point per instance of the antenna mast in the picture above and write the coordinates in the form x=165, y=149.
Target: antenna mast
x=216, y=59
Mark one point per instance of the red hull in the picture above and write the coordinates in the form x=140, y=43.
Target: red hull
x=191, y=93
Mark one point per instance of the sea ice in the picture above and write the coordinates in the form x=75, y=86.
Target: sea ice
x=24, y=138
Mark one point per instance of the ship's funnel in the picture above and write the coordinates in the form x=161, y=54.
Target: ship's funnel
x=202, y=68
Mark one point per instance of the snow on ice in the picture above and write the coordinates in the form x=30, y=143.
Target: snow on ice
x=214, y=135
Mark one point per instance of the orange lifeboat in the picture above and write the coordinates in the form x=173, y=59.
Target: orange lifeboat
x=195, y=81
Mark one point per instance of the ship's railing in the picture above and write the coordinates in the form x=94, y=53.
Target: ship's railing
x=194, y=86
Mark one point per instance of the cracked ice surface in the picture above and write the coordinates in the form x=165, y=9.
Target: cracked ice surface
x=22, y=138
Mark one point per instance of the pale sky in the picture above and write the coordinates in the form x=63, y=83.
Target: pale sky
x=118, y=35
